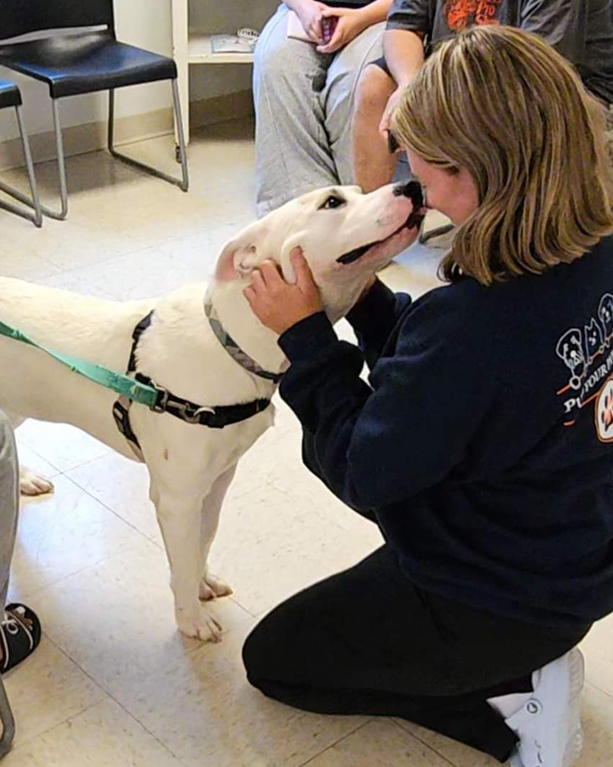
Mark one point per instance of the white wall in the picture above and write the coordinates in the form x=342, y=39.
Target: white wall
x=146, y=23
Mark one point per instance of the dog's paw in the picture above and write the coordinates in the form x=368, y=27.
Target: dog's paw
x=212, y=587
x=33, y=484
x=199, y=624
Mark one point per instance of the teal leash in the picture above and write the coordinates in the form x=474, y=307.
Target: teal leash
x=121, y=384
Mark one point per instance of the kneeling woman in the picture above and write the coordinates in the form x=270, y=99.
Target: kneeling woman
x=483, y=446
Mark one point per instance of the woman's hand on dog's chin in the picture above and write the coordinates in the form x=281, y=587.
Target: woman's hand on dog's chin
x=277, y=304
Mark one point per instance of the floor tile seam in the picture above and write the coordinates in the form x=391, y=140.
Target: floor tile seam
x=115, y=513
x=337, y=741
x=423, y=742
x=45, y=733
x=107, y=693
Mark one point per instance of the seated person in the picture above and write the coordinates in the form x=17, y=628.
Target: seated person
x=19, y=627
x=303, y=94
x=579, y=30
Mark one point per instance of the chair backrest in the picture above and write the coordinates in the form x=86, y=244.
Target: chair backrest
x=19, y=17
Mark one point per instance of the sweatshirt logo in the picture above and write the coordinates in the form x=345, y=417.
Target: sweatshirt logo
x=461, y=13
x=587, y=352
x=604, y=412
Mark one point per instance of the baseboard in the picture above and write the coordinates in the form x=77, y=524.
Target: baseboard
x=90, y=137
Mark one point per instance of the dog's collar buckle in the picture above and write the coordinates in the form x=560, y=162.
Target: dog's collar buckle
x=161, y=403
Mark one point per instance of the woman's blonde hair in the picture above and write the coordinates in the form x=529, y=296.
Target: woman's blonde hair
x=505, y=106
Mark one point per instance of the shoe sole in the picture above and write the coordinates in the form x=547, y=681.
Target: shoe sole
x=574, y=742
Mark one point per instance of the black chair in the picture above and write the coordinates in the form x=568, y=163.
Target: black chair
x=83, y=62
x=10, y=97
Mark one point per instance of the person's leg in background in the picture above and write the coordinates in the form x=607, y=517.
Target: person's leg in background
x=366, y=641
x=373, y=164
x=339, y=98
x=292, y=150
x=9, y=502
x=19, y=627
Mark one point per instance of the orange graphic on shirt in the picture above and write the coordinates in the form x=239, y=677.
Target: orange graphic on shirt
x=460, y=13
x=606, y=414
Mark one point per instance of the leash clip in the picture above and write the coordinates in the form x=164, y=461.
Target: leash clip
x=161, y=403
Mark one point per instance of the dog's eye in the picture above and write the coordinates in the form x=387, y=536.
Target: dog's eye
x=333, y=202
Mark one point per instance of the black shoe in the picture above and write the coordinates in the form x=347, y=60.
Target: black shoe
x=20, y=634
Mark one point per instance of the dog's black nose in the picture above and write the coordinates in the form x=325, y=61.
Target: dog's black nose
x=413, y=191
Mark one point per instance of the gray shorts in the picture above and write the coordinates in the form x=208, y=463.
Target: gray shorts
x=382, y=64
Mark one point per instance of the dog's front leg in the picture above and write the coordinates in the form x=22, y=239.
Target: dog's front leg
x=210, y=585
x=179, y=519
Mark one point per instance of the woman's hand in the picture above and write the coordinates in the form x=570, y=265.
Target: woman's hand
x=310, y=15
x=277, y=304
x=350, y=23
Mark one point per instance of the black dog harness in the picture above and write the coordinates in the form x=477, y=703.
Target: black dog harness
x=213, y=417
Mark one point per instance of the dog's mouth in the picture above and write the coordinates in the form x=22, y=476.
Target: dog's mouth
x=414, y=220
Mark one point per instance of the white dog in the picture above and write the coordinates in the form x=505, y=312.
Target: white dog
x=345, y=236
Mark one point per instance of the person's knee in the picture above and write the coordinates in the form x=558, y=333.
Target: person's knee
x=272, y=649
x=257, y=656
x=273, y=63
x=373, y=91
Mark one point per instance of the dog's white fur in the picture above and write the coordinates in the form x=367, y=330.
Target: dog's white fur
x=190, y=466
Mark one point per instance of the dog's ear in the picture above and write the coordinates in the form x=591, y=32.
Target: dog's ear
x=285, y=261
x=239, y=256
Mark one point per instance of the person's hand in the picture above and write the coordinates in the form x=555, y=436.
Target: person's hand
x=277, y=304
x=350, y=24
x=310, y=17
x=394, y=99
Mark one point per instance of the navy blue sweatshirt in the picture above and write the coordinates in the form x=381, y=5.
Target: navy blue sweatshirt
x=483, y=443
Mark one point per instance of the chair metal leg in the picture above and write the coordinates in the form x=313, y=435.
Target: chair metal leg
x=182, y=183
x=8, y=722
x=62, y=173
x=61, y=166
x=34, y=201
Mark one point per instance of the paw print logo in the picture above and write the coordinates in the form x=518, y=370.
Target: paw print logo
x=604, y=412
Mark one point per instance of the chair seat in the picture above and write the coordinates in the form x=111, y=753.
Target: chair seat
x=10, y=95
x=73, y=64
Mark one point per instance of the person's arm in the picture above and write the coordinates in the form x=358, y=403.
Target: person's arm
x=408, y=23
x=404, y=54
x=375, y=12
x=350, y=22
x=562, y=23
x=374, y=318
x=382, y=445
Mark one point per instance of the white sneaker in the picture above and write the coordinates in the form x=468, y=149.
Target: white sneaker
x=549, y=723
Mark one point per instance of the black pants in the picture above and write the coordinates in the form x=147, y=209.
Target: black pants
x=367, y=641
